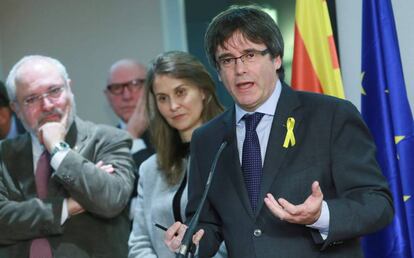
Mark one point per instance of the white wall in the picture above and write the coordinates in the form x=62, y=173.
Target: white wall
x=349, y=14
x=86, y=35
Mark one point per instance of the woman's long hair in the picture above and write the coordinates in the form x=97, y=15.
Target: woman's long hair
x=166, y=139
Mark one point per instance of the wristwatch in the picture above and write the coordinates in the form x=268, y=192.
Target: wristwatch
x=60, y=146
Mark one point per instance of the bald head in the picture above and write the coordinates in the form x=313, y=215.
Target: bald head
x=127, y=76
x=126, y=70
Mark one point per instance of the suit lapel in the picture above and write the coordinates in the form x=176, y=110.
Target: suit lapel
x=77, y=135
x=275, y=152
x=21, y=170
x=232, y=165
x=19, y=125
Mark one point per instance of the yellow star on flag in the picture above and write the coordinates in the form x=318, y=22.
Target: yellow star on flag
x=398, y=138
x=362, y=87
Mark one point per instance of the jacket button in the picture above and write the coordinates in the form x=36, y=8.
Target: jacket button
x=257, y=232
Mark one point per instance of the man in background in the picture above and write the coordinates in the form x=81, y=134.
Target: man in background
x=10, y=126
x=57, y=198
x=125, y=93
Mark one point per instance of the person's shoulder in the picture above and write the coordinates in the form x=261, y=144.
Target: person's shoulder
x=15, y=143
x=101, y=129
x=6, y=143
x=313, y=100
x=19, y=126
x=149, y=164
x=10, y=147
x=326, y=107
x=306, y=96
x=215, y=125
x=149, y=170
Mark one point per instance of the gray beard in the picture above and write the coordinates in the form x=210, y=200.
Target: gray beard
x=71, y=118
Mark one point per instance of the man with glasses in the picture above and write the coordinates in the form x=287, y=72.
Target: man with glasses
x=125, y=94
x=65, y=184
x=298, y=177
x=10, y=126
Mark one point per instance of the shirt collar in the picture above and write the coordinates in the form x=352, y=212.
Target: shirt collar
x=122, y=125
x=37, y=148
x=267, y=108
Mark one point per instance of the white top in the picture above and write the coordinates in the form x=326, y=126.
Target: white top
x=154, y=205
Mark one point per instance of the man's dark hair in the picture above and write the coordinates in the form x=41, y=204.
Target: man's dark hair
x=252, y=22
x=4, y=99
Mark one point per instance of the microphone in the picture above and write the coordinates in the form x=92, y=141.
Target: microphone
x=188, y=236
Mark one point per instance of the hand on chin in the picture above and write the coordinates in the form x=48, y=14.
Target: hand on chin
x=50, y=133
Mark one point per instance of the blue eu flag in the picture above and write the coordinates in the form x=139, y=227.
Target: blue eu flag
x=387, y=113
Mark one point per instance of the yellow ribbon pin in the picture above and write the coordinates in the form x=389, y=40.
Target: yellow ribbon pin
x=290, y=137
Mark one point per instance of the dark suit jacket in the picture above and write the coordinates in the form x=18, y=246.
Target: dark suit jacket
x=16, y=127
x=101, y=231
x=19, y=125
x=333, y=146
x=139, y=157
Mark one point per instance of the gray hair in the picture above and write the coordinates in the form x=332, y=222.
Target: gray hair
x=14, y=74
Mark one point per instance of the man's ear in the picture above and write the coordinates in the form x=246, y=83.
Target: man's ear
x=277, y=62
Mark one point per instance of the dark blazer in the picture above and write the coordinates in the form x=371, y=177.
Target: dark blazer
x=19, y=125
x=101, y=231
x=139, y=157
x=333, y=146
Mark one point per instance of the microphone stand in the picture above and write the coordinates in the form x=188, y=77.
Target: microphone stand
x=186, y=243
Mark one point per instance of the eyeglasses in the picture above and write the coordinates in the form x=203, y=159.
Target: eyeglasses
x=250, y=57
x=118, y=88
x=52, y=94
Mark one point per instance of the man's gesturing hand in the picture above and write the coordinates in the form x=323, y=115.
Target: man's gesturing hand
x=306, y=213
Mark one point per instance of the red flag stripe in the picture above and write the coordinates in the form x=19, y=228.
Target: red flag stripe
x=332, y=49
x=307, y=79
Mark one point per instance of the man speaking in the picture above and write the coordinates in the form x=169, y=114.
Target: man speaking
x=299, y=176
